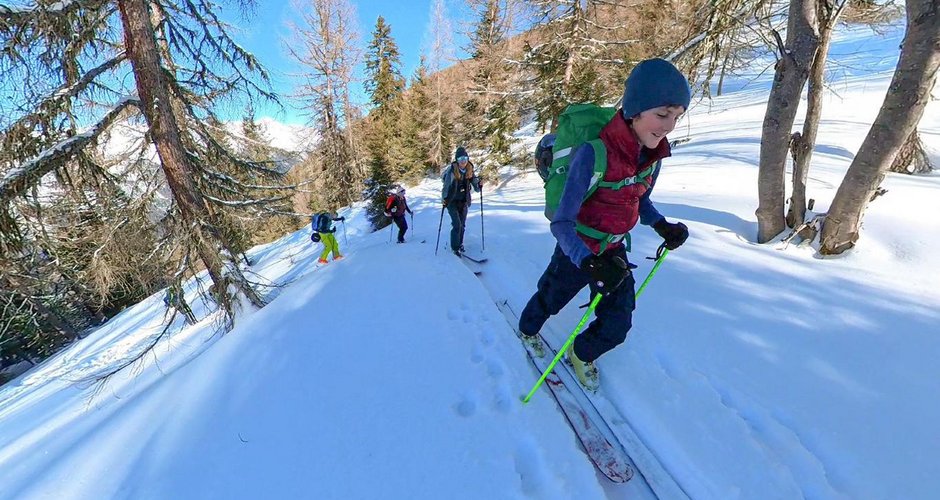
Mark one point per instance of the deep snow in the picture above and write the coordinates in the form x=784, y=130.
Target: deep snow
x=753, y=371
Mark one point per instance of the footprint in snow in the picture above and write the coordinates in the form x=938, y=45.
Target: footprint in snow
x=467, y=407
x=503, y=399
x=494, y=369
x=487, y=337
x=531, y=467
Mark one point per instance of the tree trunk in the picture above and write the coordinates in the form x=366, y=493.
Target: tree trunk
x=912, y=158
x=140, y=43
x=802, y=145
x=902, y=109
x=791, y=73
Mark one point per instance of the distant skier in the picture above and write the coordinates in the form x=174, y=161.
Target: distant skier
x=457, y=180
x=395, y=207
x=590, y=232
x=323, y=230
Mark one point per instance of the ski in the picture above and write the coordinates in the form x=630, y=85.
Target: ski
x=608, y=457
x=476, y=272
x=474, y=259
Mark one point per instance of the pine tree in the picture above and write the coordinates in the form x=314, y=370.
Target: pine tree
x=384, y=84
x=490, y=96
x=416, y=123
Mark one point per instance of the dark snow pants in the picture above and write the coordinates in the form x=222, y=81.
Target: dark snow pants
x=560, y=282
x=458, y=222
x=402, y=227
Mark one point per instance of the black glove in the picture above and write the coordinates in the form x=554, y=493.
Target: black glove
x=341, y=219
x=444, y=202
x=607, y=271
x=673, y=233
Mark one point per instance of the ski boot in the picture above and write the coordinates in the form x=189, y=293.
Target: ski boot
x=533, y=343
x=585, y=371
x=321, y=260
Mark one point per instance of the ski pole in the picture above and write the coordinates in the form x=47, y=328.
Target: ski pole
x=390, y=230
x=482, y=233
x=345, y=241
x=439, y=224
x=663, y=251
x=412, y=224
x=561, y=352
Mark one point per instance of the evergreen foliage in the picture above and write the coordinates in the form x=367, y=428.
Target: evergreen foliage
x=102, y=218
x=385, y=143
x=491, y=109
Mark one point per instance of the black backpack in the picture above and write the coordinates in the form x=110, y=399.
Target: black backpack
x=543, y=155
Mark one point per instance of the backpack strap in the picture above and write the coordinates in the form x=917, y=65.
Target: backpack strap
x=600, y=168
x=639, y=178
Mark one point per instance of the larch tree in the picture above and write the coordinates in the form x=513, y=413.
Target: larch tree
x=439, y=53
x=153, y=72
x=326, y=46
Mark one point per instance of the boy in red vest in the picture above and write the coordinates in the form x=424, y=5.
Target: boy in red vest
x=655, y=97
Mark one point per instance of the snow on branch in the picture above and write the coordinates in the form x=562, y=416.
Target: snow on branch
x=25, y=176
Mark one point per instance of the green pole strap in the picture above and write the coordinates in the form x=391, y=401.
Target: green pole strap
x=659, y=262
x=587, y=314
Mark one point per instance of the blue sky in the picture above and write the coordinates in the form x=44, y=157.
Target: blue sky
x=262, y=35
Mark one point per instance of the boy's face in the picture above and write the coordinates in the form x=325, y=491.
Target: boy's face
x=652, y=125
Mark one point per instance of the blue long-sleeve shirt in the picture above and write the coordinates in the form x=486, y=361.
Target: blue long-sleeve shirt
x=576, y=186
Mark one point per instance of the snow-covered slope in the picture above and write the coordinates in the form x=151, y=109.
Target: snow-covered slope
x=753, y=371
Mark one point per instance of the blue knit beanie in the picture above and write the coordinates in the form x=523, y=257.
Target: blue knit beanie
x=654, y=83
x=460, y=152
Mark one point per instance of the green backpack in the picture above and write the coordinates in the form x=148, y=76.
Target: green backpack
x=581, y=123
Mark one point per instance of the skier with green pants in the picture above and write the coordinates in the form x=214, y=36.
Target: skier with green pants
x=323, y=230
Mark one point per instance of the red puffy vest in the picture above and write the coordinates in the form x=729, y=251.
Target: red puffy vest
x=617, y=211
